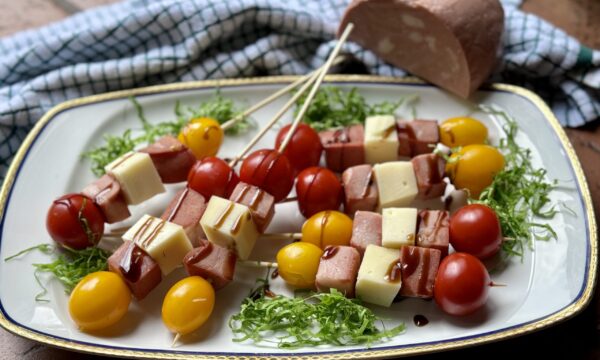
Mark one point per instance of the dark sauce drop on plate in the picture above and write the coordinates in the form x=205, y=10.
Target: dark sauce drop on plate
x=275, y=274
x=420, y=320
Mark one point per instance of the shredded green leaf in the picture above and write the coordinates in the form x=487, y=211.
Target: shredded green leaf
x=69, y=267
x=333, y=107
x=519, y=193
x=319, y=319
x=218, y=108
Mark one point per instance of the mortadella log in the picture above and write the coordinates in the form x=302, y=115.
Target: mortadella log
x=450, y=43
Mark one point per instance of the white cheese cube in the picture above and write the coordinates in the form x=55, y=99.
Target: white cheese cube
x=399, y=227
x=230, y=225
x=164, y=241
x=396, y=183
x=381, y=140
x=137, y=176
x=379, y=279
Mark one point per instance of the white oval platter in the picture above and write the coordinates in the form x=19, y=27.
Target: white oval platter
x=550, y=284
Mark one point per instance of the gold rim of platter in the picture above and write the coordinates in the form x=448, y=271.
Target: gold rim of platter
x=539, y=324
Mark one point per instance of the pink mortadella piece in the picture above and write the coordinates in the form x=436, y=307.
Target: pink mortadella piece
x=429, y=172
x=106, y=193
x=212, y=262
x=260, y=203
x=343, y=147
x=366, y=230
x=139, y=271
x=172, y=159
x=417, y=137
x=338, y=269
x=434, y=230
x=185, y=209
x=419, y=268
x=360, y=189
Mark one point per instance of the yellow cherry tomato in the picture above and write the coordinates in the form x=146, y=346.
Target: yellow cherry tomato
x=474, y=167
x=297, y=263
x=99, y=300
x=462, y=131
x=203, y=136
x=188, y=304
x=327, y=228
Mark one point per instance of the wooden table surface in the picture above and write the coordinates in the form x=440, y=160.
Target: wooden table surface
x=576, y=338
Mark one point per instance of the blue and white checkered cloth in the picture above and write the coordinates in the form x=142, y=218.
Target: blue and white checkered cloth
x=138, y=43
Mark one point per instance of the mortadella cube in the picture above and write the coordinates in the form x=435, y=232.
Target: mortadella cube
x=230, y=225
x=419, y=268
x=360, y=190
x=379, y=280
x=212, y=262
x=106, y=193
x=417, y=137
x=186, y=209
x=343, y=147
x=164, y=241
x=137, y=176
x=399, y=227
x=396, y=184
x=434, y=230
x=338, y=268
x=429, y=172
x=366, y=230
x=172, y=159
x=381, y=141
x=139, y=271
x=260, y=203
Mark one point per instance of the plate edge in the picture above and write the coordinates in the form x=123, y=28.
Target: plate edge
x=563, y=314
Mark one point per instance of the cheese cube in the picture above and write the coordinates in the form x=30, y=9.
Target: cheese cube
x=164, y=241
x=398, y=227
x=379, y=277
x=396, y=183
x=381, y=140
x=137, y=176
x=230, y=225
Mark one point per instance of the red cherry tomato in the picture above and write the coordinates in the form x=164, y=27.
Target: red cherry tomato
x=461, y=284
x=304, y=149
x=212, y=176
x=318, y=189
x=74, y=220
x=475, y=229
x=270, y=171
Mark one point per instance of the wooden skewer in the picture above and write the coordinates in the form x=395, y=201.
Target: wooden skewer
x=315, y=88
x=175, y=339
x=257, y=264
x=229, y=123
x=312, y=78
x=284, y=236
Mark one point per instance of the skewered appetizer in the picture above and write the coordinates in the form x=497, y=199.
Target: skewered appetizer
x=213, y=224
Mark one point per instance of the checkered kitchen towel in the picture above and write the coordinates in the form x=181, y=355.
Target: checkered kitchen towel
x=138, y=43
